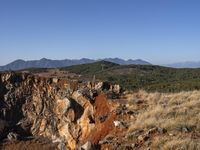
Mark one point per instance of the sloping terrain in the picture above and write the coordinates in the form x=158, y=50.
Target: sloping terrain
x=164, y=121
x=136, y=77
x=50, y=113
x=91, y=69
x=43, y=63
x=49, y=63
x=59, y=113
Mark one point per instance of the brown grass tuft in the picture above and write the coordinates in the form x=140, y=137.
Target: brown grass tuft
x=178, y=113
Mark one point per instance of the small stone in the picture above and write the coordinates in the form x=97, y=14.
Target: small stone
x=143, y=138
x=139, y=101
x=98, y=86
x=152, y=131
x=55, y=80
x=171, y=134
x=162, y=130
x=13, y=136
x=185, y=129
x=116, y=88
x=87, y=146
x=103, y=142
x=120, y=124
x=134, y=145
x=140, y=138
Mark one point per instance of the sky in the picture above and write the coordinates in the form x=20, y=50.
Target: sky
x=158, y=31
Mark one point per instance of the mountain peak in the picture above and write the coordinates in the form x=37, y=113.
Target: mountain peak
x=48, y=63
x=44, y=59
x=19, y=60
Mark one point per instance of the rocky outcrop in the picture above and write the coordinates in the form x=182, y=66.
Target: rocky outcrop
x=62, y=111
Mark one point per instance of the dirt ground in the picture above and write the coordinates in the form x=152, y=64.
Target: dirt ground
x=27, y=145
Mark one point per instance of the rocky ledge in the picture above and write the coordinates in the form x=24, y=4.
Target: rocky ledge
x=63, y=114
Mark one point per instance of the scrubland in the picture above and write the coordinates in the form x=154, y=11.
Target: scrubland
x=176, y=113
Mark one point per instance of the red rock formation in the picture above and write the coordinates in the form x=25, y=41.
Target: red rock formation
x=54, y=109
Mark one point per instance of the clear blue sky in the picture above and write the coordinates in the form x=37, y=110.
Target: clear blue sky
x=159, y=31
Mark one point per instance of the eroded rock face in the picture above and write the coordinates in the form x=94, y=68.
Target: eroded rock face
x=36, y=106
x=63, y=112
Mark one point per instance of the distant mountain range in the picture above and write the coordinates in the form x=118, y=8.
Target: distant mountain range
x=188, y=64
x=48, y=63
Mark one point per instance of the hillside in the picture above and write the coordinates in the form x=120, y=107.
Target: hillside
x=43, y=113
x=91, y=69
x=49, y=63
x=135, y=77
x=43, y=63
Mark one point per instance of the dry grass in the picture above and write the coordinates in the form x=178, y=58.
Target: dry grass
x=175, y=112
x=175, y=143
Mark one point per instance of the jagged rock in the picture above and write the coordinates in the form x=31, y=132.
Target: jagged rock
x=185, y=129
x=104, y=142
x=134, y=145
x=99, y=86
x=13, y=136
x=120, y=124
x=61, y=111
x=143, y=138
x=62, y=106
x=152, y=130
x=116, y=88
x=38, y=107
x=55, y=80
x=117, y=123
x=162, y=130
x=134, y=134
x=87, y=146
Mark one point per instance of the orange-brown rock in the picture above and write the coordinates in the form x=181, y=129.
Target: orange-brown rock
x=50, y=107
x=61, y=111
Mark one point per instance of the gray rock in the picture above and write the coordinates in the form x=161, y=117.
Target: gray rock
x=134, y=134
x=120, y=124
x=116, y=88
x=152, y=130
x=134, y=145
x=138, y=101
x=13, y=136
x=87, y=146
x=162, y=130
x=143, y=138
x=104, y=142
x=185, y=129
